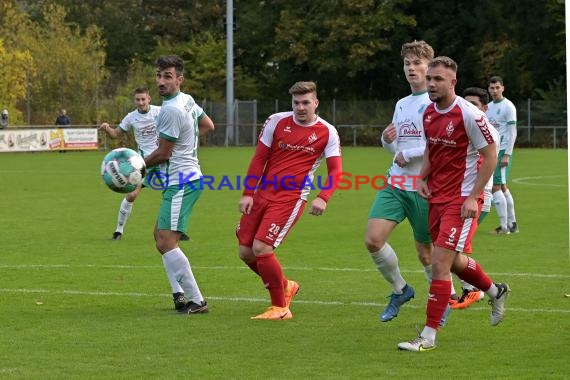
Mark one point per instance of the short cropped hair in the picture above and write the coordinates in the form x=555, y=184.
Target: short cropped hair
x=167, y=61
x=302, y=88
x=141, y=90
x=419, y=49
x=443, y=61
x=496, y=79
x=478, y=92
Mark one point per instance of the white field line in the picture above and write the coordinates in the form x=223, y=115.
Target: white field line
x=254, y=300
x=232, y=268
x=530, y=180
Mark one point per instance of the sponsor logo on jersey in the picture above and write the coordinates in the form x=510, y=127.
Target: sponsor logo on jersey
x=427, y=119
x=287, y=129
x=409, y=130
x=285, y=146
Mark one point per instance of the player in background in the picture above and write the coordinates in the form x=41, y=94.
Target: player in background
x=405, y=139
x=503, y=115
x=291, y=147
x=180, y=123
x=453, y=177
x=142, y=122
x=479, y=98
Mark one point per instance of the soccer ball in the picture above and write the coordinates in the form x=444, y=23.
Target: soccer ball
x=123, y=170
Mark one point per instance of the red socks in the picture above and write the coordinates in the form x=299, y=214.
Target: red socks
x=272, y=276
x=474, y=275
x=439, y=293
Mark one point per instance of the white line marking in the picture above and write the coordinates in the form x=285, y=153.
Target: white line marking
x=525, y=180
x=232, y=268
x=257, y=300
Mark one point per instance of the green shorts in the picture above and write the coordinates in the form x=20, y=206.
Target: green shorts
x=176, y=206
x=396, y=204
x=501, y=173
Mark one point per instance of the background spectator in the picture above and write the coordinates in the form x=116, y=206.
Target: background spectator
x=62, y=118
x=4, y=119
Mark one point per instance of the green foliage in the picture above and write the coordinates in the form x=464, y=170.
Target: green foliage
x=65, y=66
x=350, y=47
x=15, y=66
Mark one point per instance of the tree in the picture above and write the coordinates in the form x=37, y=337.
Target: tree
x=71, y=63
x=15, y=66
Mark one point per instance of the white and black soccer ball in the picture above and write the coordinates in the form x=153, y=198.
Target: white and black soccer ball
x=123, y=170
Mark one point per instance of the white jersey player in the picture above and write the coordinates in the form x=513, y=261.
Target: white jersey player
x=142, y=122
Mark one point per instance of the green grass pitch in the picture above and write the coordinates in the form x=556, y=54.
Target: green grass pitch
x=76, y=305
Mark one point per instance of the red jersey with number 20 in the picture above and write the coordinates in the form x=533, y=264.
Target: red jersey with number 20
x=454, y=135
x=296, y=153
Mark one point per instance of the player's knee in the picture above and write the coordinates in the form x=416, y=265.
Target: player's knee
x=373, y=243
x=424, y=256
x=165, y=243
x=259, y=248
x=246, y=254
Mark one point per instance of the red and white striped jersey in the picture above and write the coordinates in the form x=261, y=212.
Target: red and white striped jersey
x=454, y=135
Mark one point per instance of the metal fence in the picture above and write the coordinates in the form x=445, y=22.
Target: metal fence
x=359, y=122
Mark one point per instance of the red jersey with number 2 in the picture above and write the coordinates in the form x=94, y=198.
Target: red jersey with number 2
x=454, y=136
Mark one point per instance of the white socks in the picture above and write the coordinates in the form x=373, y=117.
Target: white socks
x=510, y=208
x=124, y=212
x=500, y=203
x=179, y=271
x=387, y=263
x=176, y=288
x=493, y=291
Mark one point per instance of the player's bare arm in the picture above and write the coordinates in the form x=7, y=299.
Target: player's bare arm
x=489, y=154
x=423, y=188
x=161, y=154
x=205, y=125
x=113, y=132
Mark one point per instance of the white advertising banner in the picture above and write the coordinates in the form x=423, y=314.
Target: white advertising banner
x=32, y=140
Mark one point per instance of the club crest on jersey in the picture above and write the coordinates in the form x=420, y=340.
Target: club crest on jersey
x=449, y=129
x=312, y=138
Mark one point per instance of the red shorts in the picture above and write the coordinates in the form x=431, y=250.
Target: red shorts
x=448, y=230
x=269, y=222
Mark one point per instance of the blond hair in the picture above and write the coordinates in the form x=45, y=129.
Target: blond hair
x=420, y=49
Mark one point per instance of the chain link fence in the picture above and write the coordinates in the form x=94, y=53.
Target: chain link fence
x=359, y=123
